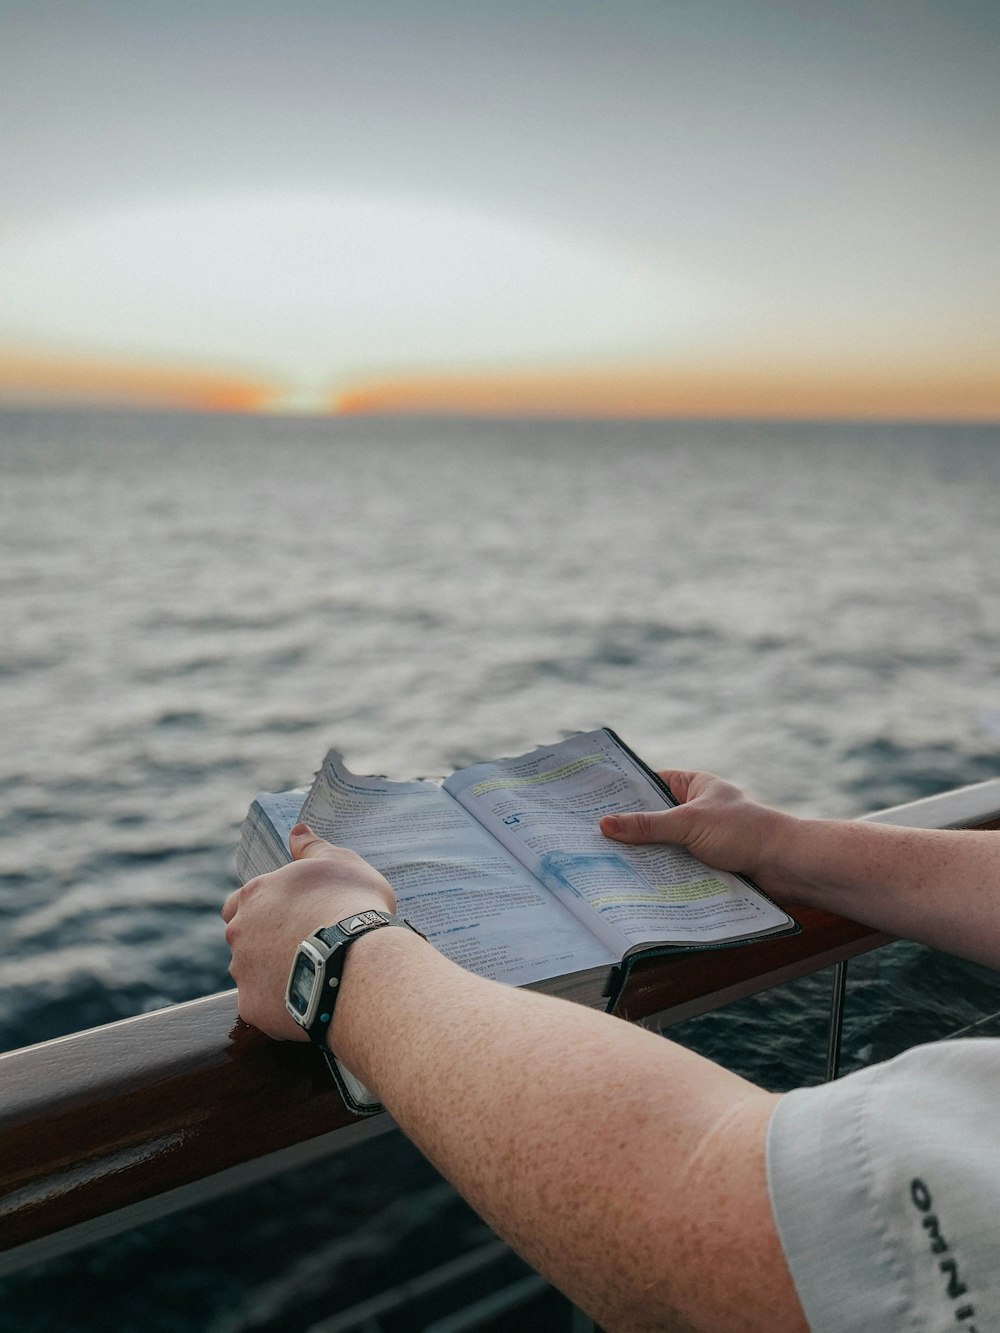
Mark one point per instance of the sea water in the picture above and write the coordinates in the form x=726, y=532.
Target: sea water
x=195, y=608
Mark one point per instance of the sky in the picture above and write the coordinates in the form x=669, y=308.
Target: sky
x=670, y=207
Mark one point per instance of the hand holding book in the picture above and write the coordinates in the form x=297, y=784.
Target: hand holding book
x=717, y=823
x=265, y=922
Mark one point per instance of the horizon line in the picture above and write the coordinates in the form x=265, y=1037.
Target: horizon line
x=12, y=407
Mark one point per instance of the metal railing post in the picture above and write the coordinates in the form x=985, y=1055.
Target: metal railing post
x=837, y=994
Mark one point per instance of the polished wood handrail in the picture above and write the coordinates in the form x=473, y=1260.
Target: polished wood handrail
x=182, y=1103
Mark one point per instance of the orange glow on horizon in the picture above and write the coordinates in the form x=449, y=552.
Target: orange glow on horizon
x=53, y=381
x=969, y=392
x=965, y=394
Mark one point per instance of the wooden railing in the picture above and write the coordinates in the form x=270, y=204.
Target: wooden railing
x=105, y=1129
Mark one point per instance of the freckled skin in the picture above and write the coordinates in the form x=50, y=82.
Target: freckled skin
x=628, y=1170
x=591, y=1160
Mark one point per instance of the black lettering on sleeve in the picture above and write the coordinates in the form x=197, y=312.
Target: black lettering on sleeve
x=920, y=1195
x=956, y=1287
x=938, y=1243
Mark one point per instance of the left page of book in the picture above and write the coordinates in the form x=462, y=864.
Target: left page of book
x=471, y=898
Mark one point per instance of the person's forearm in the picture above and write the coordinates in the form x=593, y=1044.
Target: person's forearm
x=937, y=886
x=582, y=1140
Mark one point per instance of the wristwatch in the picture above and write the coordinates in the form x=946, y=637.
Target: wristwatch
x=314, y=984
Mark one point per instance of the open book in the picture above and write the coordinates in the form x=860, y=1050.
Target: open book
x=504, y=869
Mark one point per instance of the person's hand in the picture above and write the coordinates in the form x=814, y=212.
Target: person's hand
x=268, y=917
x=715, y=821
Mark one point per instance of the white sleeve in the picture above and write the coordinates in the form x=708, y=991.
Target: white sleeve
x=885, y=1187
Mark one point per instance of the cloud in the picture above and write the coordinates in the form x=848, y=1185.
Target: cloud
x=321, y=288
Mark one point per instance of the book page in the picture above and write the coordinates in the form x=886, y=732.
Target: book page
x=281, y=809
x=464, y=891
x=545, y=807
x=263, y=841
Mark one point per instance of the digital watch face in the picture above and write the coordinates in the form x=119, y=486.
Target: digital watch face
x=300, y=987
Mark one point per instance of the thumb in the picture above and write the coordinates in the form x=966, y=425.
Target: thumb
x=306, y=844
x=646, y=825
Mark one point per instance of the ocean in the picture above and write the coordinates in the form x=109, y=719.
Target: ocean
x=196, y=607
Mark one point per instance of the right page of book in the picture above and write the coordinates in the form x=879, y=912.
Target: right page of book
x=545, y=807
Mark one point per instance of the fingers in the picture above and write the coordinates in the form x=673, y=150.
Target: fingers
x=646, y=826
x=658, y=825
x=307, y=845
x=240, y=896
x=679, y=781
x=230, y=905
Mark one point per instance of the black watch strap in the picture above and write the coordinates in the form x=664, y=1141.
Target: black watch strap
x=337, y=939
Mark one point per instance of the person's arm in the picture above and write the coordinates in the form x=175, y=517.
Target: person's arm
x=626, y=1169
x=940, y=887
